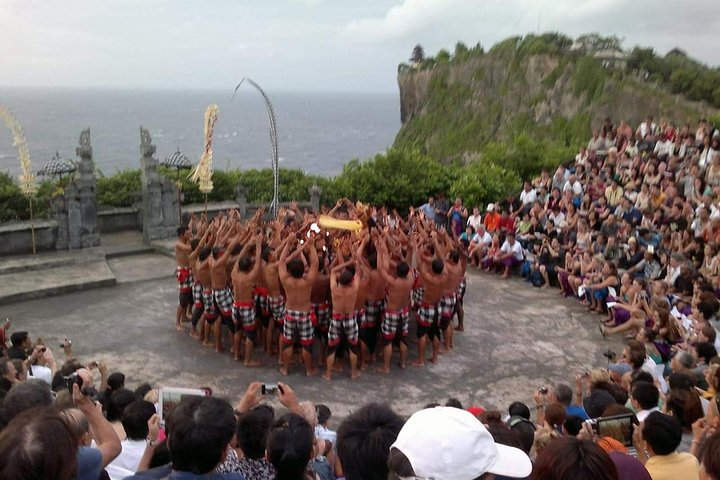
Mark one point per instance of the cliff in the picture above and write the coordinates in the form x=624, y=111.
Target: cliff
x=453, y=107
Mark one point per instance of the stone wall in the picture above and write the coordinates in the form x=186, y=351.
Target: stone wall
x=16, y=237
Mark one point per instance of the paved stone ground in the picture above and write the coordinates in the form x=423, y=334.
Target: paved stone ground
x=517, y=338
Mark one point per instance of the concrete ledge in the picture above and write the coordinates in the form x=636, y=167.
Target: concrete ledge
x=22, y=286
x=115, y=219
x=46, y=260
x=118, y=251
x=16, y=237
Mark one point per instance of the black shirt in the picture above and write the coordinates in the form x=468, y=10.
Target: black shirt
x=17, y=352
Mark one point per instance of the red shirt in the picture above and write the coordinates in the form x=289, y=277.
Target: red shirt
x=507, y=224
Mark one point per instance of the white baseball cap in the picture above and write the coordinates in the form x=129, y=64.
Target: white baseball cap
x=447, y=443
x=490, y=207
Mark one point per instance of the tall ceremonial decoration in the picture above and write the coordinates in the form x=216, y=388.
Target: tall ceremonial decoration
x=27, y=179
x=273, y=144
x=202, y=173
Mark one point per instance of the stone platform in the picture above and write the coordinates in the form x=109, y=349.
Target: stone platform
x=517, y=338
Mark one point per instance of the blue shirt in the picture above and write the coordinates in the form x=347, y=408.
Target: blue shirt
x=166, y=472
x=89, y=463
x=576, y=411
x=429, y=211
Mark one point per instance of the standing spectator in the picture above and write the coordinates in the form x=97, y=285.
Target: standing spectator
x=457, y=216
x=428, y=208
x=441, y=211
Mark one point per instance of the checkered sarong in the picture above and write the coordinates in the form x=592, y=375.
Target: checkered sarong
x=260, y=295
x=298, y=327
x=427, y=315
x=361, y=318
x=343, y=324
x=322, y=313
x=462, y=288
x=198, y=299
x=223, y=299
x=373, y=312
x=185, y=279
x=394, y=322
x=447, y=305
x=277, y=308
x=243, y=314
x=209, y=301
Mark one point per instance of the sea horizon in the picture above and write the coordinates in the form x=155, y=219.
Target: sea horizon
x=318, y=132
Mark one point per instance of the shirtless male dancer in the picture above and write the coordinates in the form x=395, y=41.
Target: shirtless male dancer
x=374, y=307
x=244, y=275
x=344, y=283
x=320, y=299
x=395, y=322
x=183, y=275
x=197, y=245
x=276, y=299
x=221, y=291
x=298, y=325
x=434, y=276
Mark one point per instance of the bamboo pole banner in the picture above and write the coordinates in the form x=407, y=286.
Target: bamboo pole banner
x=202, y=173
x=27, y=178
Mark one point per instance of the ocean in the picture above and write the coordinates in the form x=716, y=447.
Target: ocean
x=317, y=132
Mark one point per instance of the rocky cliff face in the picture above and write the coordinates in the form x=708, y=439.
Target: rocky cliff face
x=457, y=107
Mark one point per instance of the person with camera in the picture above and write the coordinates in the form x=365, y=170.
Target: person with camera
x=656, y=442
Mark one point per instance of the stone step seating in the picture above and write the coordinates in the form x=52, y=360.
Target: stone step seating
x=29, y=277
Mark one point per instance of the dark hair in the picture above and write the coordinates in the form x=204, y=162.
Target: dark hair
x=200, y=430
x=568, y=458
x=364, y=439
x=519, y=409
x=17, y=338
x=345, y=278
x=563, y=394
x=705, y=351
x=204, y=253
x=118, y=401
x=402, y=269
x=181, y=230
x=143, y=390
x=323, y=413
x=636, y=358
x=710, y=456
x=244, y=264
x=116, y=381
x=24, y=396
x=236, y=249
x=685, y=406
x=681, y=381
x=38, y=444
x=372, y=260
x=573, y=425
x=290, y=447
x=640, y=376
x=296, y=268
x=252, y=432
x=662, y=432
x=454, y=402
x=135, y=419
x=502, y=434
x=646, y=394
x=525, y=431
x=194, y=243
x=438, y=266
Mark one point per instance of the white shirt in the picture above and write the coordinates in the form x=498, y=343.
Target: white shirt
x=485, y=238
x=127, y=462
x=326, y=434
x=475, y=221
x=643, y=414
x=528, y=197
x=515, y=249
x=575, y=187
x=41, y=373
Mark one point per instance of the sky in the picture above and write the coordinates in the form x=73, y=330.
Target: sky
x=304, y=45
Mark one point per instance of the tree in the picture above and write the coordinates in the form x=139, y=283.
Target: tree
x=461, y=51
x=443, y=56
x=418, y=54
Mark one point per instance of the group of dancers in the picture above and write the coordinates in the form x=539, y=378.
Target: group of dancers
x=288, y=283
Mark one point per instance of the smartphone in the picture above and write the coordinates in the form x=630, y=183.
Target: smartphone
x=269, y=388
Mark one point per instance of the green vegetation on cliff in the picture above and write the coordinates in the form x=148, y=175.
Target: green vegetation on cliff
x=530, y=102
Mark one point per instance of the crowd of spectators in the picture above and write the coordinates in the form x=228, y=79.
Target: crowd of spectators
x=629, y=228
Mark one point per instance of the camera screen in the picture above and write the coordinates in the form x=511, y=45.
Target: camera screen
x=619, y=427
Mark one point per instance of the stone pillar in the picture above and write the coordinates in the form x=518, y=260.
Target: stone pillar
x=241, y=197
x=160, y=217
x=85, y=183
x=59, y=211
x=315, y=192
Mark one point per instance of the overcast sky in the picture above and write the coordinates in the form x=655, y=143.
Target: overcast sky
x=340, y=45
